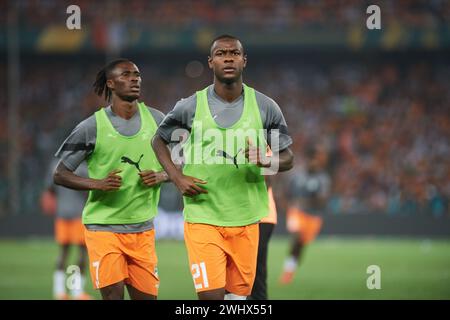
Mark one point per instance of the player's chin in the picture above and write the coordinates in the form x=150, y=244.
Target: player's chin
x=131, y=97
x=228, y=78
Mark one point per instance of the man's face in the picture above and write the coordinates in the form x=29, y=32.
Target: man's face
x=125, y=81
x=227, y=60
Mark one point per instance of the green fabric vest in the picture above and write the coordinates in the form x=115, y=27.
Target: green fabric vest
x=237, y=195
x=133, y=202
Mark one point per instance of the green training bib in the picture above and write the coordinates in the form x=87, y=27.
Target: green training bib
x=133, y=202
x=237, y=192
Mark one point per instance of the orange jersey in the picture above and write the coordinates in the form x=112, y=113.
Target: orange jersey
x=222, y=257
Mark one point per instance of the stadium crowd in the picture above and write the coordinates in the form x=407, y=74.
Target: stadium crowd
x=383, y=127
x=259, y=14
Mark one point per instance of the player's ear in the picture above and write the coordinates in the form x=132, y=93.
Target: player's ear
x=245, y=60
x=210, y=62
x=110, y=84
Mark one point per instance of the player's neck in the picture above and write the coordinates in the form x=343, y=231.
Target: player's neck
x=228, y=91
x=124, y=109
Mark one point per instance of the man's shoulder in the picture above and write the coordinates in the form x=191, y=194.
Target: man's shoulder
x=154, y=110
x=187, y=103
x=264, y=100
x=157, y=115
x=87, y=123
x=190, y=102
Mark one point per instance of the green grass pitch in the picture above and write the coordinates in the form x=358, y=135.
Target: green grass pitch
x=332, y=268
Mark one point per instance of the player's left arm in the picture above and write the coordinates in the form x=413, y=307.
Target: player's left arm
x=283, y=160
x=152, y=178
x=277, y=136
x=149, y=177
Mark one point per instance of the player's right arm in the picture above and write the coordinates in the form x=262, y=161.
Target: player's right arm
x=64, y=177
x=186, y=184
x=78, y=146
x=179, y=118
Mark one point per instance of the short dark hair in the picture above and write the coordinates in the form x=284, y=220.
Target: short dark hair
x=224, y=36
x=99, y=85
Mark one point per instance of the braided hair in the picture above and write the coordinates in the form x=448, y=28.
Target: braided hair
x=100, y=87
